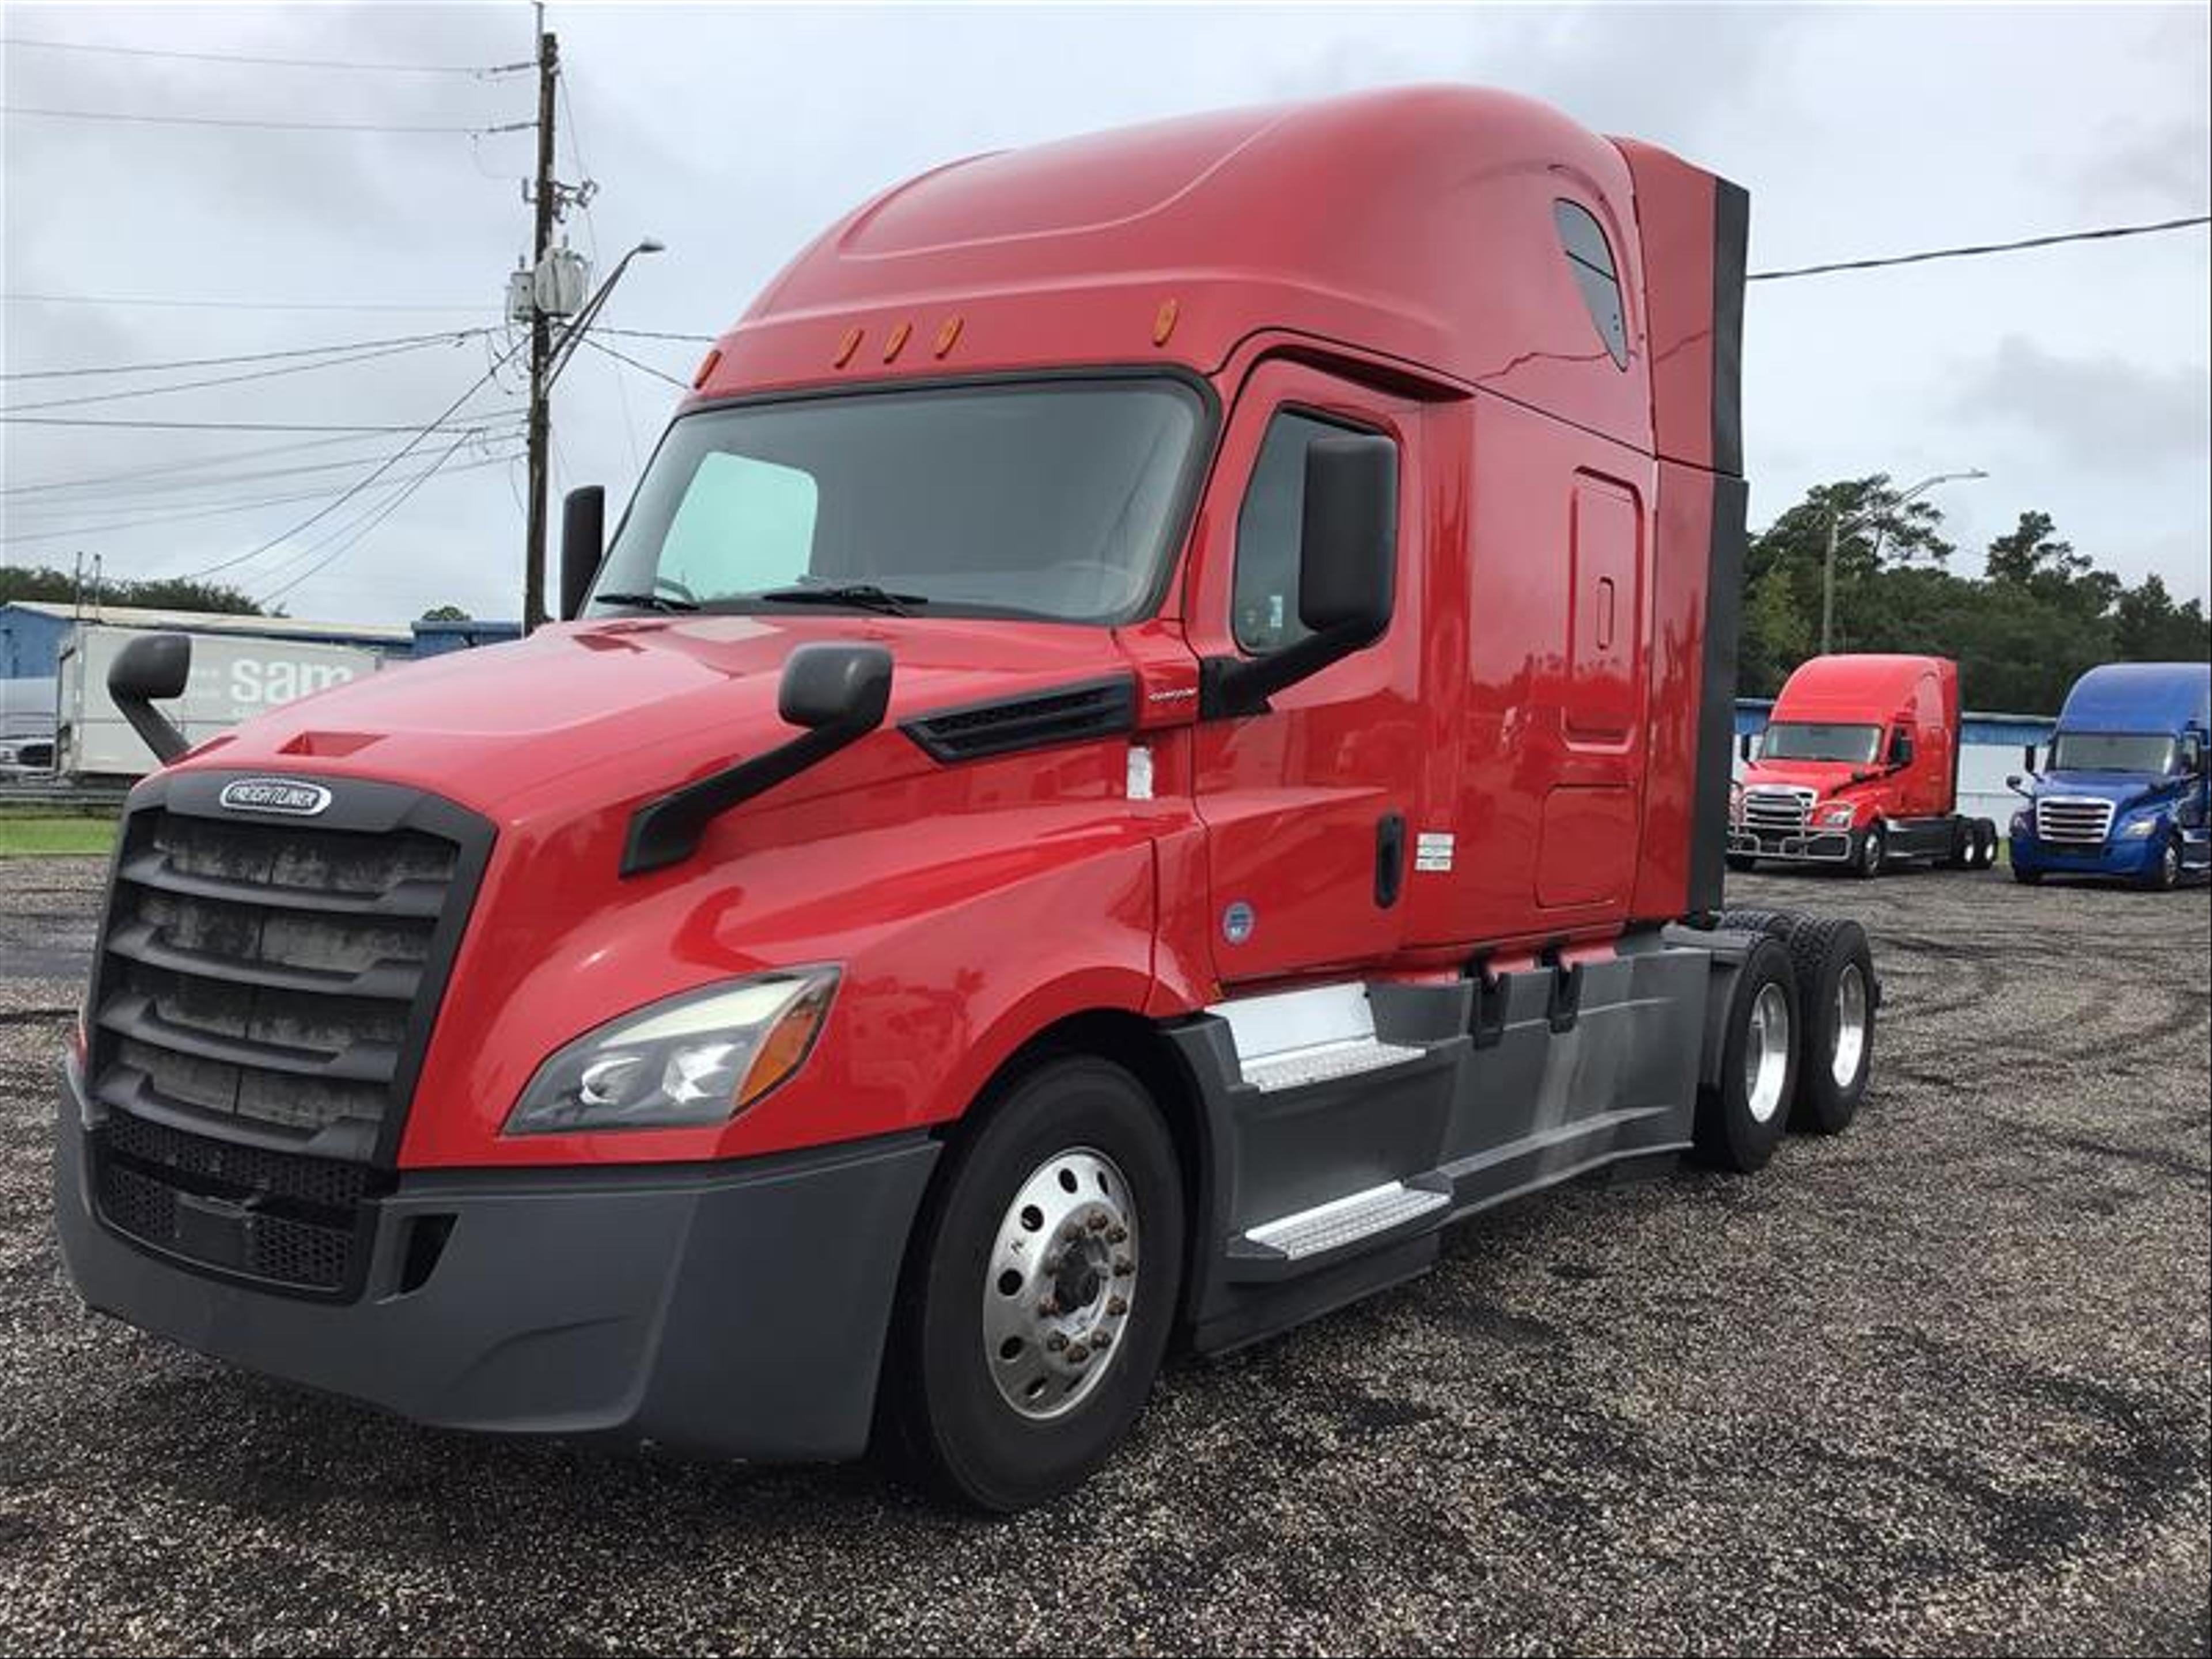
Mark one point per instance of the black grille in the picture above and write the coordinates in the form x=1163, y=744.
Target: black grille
x=276, y=1216
x=1097, y=710
x=265, y=994
x=268, y=972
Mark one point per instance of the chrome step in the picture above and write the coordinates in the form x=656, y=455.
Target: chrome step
x=1323, y=1062
x=1343, y=1221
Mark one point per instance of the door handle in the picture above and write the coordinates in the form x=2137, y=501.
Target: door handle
x=1390, y=859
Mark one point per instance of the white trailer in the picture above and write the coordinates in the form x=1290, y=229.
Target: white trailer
x=235, y=677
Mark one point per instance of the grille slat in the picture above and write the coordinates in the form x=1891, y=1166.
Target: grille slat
x=1772, y=808
x=276, y=977
x=2072, y=821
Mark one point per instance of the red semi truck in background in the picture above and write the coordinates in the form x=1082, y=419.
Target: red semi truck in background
x=1157, y=730
x=1859, y=769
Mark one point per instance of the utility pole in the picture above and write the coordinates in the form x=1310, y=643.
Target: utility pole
x=545, y=199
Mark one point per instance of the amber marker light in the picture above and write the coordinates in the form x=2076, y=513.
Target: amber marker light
x=896, y=344
x=947, y=335
x=1163, y=321
x=845, y=348
x=787, y=1043
x=706, y=367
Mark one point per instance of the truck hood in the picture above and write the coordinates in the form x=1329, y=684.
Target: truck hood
x=2122, y=789
x=1826, y=778
x=587, y=713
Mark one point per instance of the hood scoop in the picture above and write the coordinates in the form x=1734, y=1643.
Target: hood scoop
x=1007, y=726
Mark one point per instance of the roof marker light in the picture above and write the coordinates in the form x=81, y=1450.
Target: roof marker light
x=847, y=347
x=706, y=367
x=1163, y=321
x=896, y=344
x=948, y=333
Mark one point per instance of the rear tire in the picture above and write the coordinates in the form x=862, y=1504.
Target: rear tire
x=1012, y=1271
x=1874, y=848
x=1741, y=1118
x=1837, y=996
x=1985, y=836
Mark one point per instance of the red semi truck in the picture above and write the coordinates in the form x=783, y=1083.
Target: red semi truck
x=1156, y=732
x=1859, y=769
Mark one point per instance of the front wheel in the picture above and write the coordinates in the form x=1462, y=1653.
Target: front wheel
x=1741, y=861
x=2165, y=875
x=1040, y=1291
x=1874, y=848
x=2027, y=877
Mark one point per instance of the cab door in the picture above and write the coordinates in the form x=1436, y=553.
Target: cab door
x=1309, y=807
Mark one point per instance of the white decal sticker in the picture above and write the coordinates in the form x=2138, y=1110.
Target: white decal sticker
x=1433, y=851
x=1141, y=772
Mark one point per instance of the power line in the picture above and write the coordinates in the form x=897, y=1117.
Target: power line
x=2107, y=234
x=192, y=464
x=267, y=63
x=240, y=358
x=212, y=426
x=355, y=540
x=657, y=334
x=134, y=301
x=208, y=510
x=223, y=379
x=257, y=126
x=624, y=358
x=122, y=484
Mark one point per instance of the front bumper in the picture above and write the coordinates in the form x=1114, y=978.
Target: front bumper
x=2120, y=858
x=721, y=1311
x=1806, y=846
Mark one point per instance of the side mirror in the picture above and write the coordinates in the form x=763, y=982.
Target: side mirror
x=2013, y=782
x=583, y=542
x=1347, y=574
x=826, y=685
x=837, y=693
x=152, y=668
x=1743, y=747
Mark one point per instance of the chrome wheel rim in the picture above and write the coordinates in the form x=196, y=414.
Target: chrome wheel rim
x=1061, y=1284
x=1843, y=1061
x=2171, y=858
x=1767, y=1053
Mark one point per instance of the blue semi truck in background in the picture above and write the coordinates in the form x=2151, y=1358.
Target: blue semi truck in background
x=2123, y=792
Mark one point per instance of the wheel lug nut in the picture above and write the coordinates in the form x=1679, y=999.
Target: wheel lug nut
x=1052, y=1262
x=1097, y=1224
x=1077, y=1354
x=1121, y=1267
x=1100, y=1339
x=1117, y=1306
x=1048, y=1305
x=1073, y=1232
x=1119, y=1235
x=1056, y=1342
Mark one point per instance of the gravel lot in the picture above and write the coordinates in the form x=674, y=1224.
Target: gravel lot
x=1943, y=1382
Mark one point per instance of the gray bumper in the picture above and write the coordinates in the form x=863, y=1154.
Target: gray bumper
x=1807, y=847
x=731, y=1310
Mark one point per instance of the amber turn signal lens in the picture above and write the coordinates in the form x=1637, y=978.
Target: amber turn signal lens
x=1163, y=321
x=896, y=344
x=947, y=334
x=786, y=1045
x=706, y=367
x=845, y=348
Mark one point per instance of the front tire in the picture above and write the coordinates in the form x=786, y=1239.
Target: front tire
x=1874, y=848
x=1741, y=861
x=1742, y=1116
x=1040, y=1292
x=2027, y=877
x=2165, y=875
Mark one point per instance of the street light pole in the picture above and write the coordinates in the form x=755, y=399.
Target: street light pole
x=1838, y=523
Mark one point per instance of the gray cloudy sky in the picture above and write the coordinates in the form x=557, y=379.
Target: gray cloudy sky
x=2077, y=377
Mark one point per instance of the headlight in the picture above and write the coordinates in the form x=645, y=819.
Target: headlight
x=1843, y=814
x=2138, y=828
x=696, y=1058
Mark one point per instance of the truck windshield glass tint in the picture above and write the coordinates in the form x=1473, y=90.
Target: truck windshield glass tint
x=2112, y=751
x=1270, y=531
x=1047, y=500
x=1810, y=740
x=1591, y=259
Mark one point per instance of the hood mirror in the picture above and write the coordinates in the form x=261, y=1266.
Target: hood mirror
x=152, y=668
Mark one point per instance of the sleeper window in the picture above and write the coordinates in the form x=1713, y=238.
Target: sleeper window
x=1590, y=258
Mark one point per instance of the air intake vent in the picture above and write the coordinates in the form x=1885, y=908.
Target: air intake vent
x=1074, y=714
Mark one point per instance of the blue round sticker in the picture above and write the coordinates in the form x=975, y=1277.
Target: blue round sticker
x=1237, y=922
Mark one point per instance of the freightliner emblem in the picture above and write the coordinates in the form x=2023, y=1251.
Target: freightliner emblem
x=294, y=799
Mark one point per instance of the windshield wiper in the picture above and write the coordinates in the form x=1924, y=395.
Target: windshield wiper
x=645, y=601
x=861, y=596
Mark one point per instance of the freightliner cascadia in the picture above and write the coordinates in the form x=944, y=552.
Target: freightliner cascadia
x=1156, y=732
x=2127, y=789
x=1859, y=770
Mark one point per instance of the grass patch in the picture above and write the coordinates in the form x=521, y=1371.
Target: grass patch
x=51, y=835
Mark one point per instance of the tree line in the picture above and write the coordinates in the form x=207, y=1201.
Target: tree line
x=2022, y=632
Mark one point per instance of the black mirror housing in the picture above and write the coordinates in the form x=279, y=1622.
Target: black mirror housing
x=1347, y=574
x=152, y=668
x=828, y=685
x=1348, y=544
x=583, y=544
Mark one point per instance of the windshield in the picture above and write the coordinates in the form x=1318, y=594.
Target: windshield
x=1056, y=499
x=2112, y=751
x=1810, y=740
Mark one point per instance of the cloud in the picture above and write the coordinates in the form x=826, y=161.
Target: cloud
x=2099, y=412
